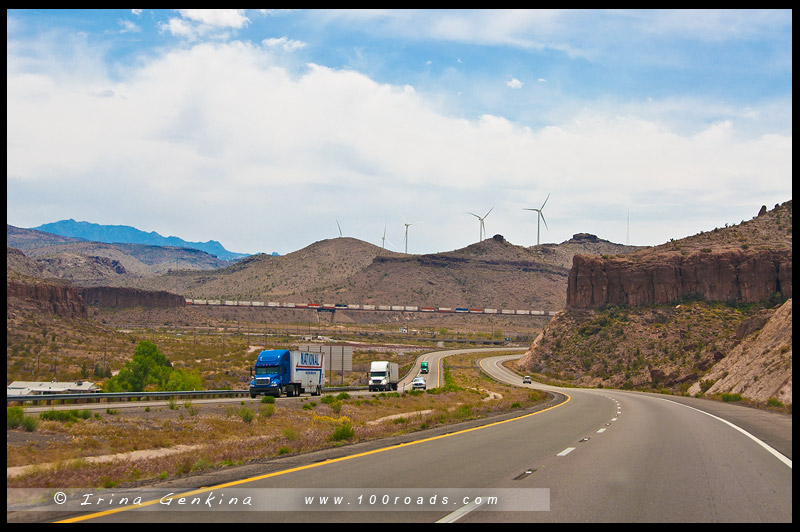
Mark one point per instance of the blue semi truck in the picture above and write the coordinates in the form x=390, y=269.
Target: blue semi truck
x=280, y=371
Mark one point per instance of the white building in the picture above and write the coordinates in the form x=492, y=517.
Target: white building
x=46, y=388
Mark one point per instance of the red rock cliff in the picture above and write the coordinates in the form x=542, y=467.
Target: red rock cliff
x=107, y=296
x=733, y=275
x=59, y=299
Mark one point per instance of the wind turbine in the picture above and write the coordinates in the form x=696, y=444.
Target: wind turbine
x=383, y=238
x=407, y=224
x=540, y=218
x=483, y=228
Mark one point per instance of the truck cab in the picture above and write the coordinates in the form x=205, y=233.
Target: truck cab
x=270, y=373
x=424, y=367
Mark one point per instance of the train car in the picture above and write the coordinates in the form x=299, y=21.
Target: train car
x=490, y=311
x=258, y=303
x=368, y=307
x=412, y=308
x=427, y=309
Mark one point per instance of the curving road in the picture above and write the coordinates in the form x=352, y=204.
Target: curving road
x=596, y=456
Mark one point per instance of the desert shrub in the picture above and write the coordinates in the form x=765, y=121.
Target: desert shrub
x=247, y=415
x=14, y=415
x=65, y=415
x=29, y=423
x=344, y=431
x=774, y=402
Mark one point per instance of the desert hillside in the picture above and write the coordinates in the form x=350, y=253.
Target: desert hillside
x=707, y=314
x=491, y=273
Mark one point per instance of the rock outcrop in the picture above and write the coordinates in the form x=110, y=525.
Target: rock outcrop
x=760, y=367
x=107, y=296
x=58, y=299
x=739, y=276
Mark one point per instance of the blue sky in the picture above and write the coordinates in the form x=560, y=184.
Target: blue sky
x=264, y=128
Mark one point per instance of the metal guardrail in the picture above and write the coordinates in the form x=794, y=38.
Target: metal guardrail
x=140, y=396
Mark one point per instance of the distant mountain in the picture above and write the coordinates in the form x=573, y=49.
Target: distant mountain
x=124, y=234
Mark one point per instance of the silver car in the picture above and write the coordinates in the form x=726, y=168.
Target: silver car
x=418, y=384
x=526, y=379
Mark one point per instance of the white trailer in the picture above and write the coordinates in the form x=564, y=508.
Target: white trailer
x=383, y=376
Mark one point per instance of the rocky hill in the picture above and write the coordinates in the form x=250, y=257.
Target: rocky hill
x=747, y=263
x=707, y=314
x=492, y=273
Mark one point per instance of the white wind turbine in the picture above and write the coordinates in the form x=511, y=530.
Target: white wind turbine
x=483, y=228
x=383, y=238
x=540, y=218
x=407, y=224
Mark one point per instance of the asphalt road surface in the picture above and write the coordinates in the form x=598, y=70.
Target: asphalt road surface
x=595, y=456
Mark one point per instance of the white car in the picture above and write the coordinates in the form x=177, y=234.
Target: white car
x=526, y=379
x=418, y=384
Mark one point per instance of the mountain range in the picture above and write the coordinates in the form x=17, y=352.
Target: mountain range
x=710, y=313
x=124, y=234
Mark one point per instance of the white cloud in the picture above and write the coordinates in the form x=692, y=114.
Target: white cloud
x=284, y=43
x=217, y=137
x=129, y=26
x=195, y=23
x=224, y=18
x=515, y=83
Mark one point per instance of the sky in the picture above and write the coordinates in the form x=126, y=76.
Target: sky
x=269, y=130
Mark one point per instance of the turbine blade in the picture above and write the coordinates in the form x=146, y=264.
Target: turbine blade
x=545, y=221
x=487, y=214
x=545, y=201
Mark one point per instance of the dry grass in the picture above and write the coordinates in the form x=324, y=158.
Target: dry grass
x=222, y=436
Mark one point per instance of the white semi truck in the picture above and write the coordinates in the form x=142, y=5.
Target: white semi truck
x=383, y=376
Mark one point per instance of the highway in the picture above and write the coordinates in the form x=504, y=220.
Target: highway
x=596, y=456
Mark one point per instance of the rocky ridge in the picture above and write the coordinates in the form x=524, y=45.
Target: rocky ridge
x=707, y=314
